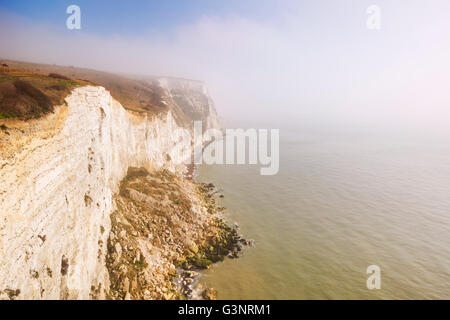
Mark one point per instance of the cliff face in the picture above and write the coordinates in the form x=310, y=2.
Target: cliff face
x=190, y=101
x=58, y=176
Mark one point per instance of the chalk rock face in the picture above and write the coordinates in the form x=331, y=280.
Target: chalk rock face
x=190, y=101
x=57, y=180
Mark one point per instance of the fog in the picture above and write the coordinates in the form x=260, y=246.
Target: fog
x=310, y=65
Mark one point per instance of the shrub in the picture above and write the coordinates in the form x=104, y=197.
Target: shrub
x=8, y=115
x=58, y=76
x=26, y=88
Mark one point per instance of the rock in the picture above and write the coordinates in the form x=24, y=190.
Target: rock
x=168, y=296
x=201, y=263
x=12, y=294
x=118, y=249
x=125, y=284
x=193, y=273
x=188, y=243
x=134, y=285
x=209, y=294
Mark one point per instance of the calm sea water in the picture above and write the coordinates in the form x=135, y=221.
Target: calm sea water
x=339, y=204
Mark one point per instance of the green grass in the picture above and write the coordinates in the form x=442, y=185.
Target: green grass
x=8, y=116
x=31, y=95
x=4, y=78
x=68, y=83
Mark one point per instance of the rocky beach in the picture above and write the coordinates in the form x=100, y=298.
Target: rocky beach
x=166, y=229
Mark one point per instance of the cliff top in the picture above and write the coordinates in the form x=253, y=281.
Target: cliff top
x=30, y=90
x=135, y=95
x=25, y=94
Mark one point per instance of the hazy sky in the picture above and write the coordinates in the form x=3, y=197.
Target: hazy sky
x=294, y=62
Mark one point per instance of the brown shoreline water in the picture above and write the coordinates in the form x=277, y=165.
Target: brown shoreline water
x=338, y=205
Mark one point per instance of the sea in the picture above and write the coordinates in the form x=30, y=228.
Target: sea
x=340, y=203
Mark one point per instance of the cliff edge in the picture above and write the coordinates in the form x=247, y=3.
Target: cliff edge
x=59, y=175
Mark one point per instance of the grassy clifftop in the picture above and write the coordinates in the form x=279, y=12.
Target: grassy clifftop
x=136, y=95
x=27, y=95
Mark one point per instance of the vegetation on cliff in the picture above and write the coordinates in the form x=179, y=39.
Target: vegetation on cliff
x=137, y=95
x=28, y=95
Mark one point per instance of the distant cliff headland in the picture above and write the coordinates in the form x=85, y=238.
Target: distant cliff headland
x=93, y=204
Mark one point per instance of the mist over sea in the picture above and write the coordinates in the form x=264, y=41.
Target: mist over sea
x=341, y=201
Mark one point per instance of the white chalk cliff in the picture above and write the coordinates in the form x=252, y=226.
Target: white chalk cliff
x=58, y=176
